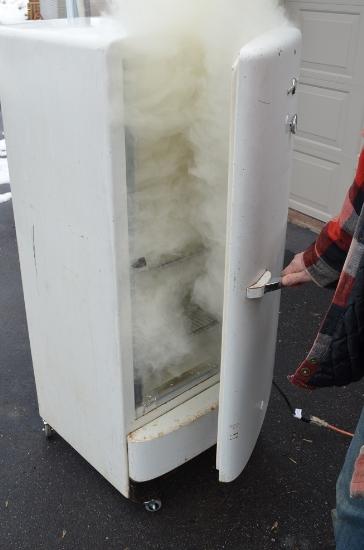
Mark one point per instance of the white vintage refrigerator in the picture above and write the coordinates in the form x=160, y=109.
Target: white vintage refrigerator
x=68, y=167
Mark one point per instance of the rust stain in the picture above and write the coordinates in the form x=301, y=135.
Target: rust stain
x=135, y=437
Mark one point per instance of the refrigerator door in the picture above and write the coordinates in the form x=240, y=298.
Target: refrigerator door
x=264, y=105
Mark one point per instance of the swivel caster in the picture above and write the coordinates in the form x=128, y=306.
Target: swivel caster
x=153, y=505
x=47, y=429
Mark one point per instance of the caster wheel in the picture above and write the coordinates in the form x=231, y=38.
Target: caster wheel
x=48, y=430
x=153, y=505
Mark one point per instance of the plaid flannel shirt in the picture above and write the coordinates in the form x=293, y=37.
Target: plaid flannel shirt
x=334, y=259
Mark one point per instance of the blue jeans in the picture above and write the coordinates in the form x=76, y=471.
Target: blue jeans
x=349, y=514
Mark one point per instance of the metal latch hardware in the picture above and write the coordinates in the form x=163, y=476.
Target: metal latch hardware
x=293, y=122
x=264, y=285
x=293, y=87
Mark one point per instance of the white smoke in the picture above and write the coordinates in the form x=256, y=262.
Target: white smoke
x=178, y=56
x=13, y=11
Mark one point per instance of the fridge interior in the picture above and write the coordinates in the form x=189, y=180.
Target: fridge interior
x=201, y=331
x=177, y=89
x=177, y=84
x=177, y=343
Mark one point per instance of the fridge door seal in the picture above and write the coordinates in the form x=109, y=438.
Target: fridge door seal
x=260, y=167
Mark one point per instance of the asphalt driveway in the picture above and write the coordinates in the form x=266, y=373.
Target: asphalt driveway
x=50, y=498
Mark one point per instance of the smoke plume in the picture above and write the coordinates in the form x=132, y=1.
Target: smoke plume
x=177, y=64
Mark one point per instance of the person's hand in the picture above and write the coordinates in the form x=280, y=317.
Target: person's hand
x=295, y=273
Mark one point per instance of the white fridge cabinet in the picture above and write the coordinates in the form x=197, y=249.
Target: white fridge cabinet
x=63, y=116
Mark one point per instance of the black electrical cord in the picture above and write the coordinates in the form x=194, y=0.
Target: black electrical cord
x=310, y=419
x=289, y=404
x=283, y=395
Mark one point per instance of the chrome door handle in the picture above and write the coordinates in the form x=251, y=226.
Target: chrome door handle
x=264, y=285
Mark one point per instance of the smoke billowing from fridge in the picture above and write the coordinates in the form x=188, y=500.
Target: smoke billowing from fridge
x=178, y=56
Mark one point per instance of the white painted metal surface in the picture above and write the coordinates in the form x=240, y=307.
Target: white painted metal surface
x=66, y=153
x=174, y=438
x=257, y=212
x=330, y=103
x=67, y=172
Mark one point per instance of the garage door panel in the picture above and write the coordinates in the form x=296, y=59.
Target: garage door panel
x=321, y=114
x=306, y=171
x=330, y=103
x=329, y=40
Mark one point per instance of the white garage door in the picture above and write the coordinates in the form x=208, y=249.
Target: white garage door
x=331, y=104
